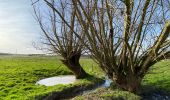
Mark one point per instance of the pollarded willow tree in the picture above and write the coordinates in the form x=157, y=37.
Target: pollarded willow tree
x=126, y=37
x=58, y=37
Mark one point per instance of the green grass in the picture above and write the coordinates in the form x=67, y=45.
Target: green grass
x=158, y=77
x=18, y=75
x=108, y=94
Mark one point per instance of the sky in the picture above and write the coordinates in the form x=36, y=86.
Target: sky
x=18, y=27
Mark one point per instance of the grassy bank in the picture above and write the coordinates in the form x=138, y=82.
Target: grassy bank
x=158, y=78
x=108, y=94
x=18, y=75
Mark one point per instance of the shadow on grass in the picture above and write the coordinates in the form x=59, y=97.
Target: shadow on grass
x=147, y=92
x=151, y=92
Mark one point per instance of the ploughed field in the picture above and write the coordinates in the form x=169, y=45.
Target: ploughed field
x=18, y=75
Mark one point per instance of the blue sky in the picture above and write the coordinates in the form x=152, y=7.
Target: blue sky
x=18, y=28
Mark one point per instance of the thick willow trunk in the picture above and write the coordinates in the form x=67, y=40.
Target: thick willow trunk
x=129, y=83
x=73, y=64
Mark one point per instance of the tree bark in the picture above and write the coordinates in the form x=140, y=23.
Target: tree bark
x=129, y=83
x=73, y=64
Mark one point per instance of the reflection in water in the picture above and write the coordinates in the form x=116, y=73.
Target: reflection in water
x=67, y=79
x=107, y=82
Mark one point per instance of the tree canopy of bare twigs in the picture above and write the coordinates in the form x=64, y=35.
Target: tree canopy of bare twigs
x=126, y=37
x=59, y=37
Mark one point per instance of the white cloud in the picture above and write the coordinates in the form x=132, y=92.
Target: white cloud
x=18, y=29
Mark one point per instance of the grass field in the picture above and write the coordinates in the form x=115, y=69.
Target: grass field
x=157, y=78
x=18, y=75
x=159, y=75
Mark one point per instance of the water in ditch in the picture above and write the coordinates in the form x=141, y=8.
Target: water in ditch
x=69, y=79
